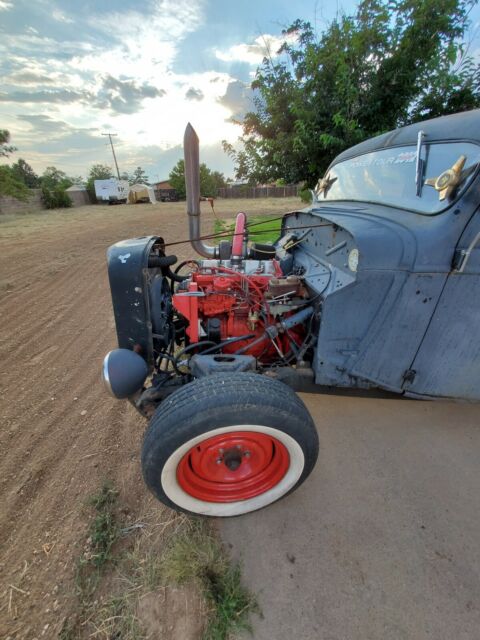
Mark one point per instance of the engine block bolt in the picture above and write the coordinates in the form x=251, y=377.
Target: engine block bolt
x=218, y=461
x=247, y=454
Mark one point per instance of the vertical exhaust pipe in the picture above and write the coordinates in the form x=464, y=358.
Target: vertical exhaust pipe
x=192, y=185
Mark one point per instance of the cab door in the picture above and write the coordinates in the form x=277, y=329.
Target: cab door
x=447, y=363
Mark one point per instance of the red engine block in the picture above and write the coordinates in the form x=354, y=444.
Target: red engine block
x=236, y=300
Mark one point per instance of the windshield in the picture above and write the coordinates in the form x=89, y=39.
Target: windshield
x=388, y=176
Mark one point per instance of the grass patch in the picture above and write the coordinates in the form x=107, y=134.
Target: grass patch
x=266, y=229
x=196, y=555
x=153, y=575
x=102, y=534
x=104, y=530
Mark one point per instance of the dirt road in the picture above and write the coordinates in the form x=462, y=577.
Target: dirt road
x=61, y=434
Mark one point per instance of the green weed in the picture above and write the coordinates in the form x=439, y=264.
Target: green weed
x=197, y=555
x=104, y=529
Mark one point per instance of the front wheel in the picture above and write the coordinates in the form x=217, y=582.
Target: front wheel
x=225, y=445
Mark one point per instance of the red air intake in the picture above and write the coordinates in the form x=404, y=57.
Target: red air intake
x=237, y=244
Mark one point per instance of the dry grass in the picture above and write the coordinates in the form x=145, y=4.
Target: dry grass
x=165, y=571
x=25, y=223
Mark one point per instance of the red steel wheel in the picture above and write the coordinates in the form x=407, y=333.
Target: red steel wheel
x=233, y=466
x=228, y=444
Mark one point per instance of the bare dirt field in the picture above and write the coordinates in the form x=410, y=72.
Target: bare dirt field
x=61, y=434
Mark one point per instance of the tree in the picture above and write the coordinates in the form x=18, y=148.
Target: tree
x=139, y=176
x=55, y=198
x=388, y=65
x=24, y=172
x=5, y=148
x=10, y=185
x=54, y=183
x=210, y=181
x=53, y=178
x=177, y=179
x=97, y=172
x=127, y=176
x=77, y=180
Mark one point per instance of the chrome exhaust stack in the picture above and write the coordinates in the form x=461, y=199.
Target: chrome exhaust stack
x=192, y=185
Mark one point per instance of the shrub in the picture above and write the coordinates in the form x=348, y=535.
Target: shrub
x=55, y=198
x=305, y=195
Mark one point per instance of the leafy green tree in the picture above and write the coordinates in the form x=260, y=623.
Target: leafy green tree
x=5, y=148
x=390, y=64
x=97, y=172
x=139, y=176
x=177, y=179
x=24, y=172
x=210, y=181
x=54, y=183
x=78, y=180
x=10, y=185
x=53, y=178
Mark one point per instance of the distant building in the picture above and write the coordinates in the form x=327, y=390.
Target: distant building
x=78, y=195
x=164, y=191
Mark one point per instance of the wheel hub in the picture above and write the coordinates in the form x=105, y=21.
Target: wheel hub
x=233, y=466
x=232, y=458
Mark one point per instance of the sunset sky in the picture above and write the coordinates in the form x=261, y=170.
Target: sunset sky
x=142, y=69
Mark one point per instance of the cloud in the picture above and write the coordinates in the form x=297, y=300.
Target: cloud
x=46, y=96
x=121, y=96
x=58, y=140
x=194, y=94
x=44, y=48
x=29, y=77
x=5, y=5
x=254, y=53
x=59, y=16
x=44, y=124
x=71, y=81
x=125, y=96
x=147, y=46
x=237, y=99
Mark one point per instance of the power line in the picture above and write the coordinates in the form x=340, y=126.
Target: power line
x=110, y=135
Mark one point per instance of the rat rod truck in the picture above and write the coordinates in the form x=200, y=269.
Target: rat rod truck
x=375, y=285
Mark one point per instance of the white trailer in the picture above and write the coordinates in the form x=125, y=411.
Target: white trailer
x=111, y=190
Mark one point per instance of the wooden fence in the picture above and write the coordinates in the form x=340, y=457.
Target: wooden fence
x=259, y=192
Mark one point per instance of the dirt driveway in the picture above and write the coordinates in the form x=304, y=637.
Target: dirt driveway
x=383, y=540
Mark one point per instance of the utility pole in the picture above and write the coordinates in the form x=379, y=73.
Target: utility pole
x=110, y=135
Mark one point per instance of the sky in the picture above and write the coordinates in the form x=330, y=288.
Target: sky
x=141, y=69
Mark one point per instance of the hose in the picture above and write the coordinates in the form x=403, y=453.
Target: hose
x=193, y=346
x=225, y=343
